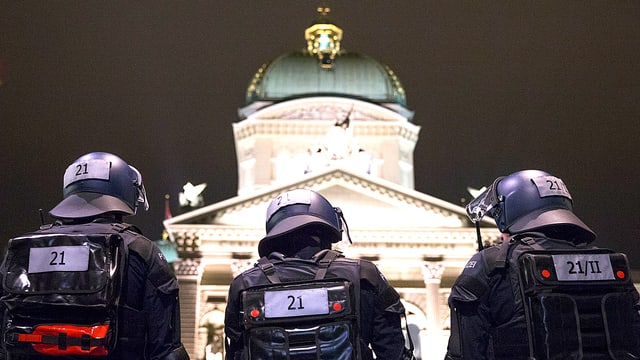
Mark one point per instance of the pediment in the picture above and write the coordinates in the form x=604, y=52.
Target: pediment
x=367, y=203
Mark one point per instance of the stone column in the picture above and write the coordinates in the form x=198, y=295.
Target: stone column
x=189, y=274
x=432, y=272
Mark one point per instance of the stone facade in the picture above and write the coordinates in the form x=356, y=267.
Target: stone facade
x=418, y=241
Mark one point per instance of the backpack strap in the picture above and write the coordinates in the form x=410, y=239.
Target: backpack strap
x=268, y=269
x=531, y=242
x=407, y=353
x=323, y=264
x=120, y=227
x=323, y=258
x=496, y=256
x=127, y=233
x=498, y=259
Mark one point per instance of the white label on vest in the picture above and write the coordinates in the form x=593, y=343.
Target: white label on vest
x=90, y=169
x=583, y=267
x=288, y=303
x=58, y=258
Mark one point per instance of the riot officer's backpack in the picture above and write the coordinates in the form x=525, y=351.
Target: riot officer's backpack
x=579, y=303
x=61, y=291
x=308, y=319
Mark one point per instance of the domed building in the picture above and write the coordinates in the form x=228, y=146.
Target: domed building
x=336, y=122
x=312, y=71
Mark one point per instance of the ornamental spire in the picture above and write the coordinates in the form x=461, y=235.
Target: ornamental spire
x=323, y=38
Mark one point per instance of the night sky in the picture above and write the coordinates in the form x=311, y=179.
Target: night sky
x=497, y=86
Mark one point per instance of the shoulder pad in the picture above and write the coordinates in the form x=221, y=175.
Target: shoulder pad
x=159, y=272
x=369, y=271
x=386, y=296
x=467, y=289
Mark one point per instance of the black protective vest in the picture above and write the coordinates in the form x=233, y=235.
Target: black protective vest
x=578, y=303
x=62, y=293
x=300, y=312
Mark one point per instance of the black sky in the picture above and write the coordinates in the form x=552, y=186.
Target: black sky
x=497, y=86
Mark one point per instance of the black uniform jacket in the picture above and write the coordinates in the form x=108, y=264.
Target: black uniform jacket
x=380, y=306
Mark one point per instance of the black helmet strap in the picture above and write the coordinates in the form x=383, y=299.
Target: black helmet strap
x=343, y=221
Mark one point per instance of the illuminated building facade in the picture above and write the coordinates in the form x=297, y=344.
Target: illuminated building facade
x=335, y=122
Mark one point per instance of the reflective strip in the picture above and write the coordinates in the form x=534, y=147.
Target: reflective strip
x=30, y=338
x=64, y=339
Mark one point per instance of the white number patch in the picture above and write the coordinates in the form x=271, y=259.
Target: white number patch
x=58, y=258
x=91, y=169
x=289, y=198
x=583, y=267
x=287, y=303
x=551, y=186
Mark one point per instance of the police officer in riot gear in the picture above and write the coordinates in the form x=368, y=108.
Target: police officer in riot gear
x=301, y=225
x=496, y=312
x=101, y=188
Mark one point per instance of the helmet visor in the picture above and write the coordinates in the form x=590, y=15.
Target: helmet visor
x=141, y=192
x=484, y=203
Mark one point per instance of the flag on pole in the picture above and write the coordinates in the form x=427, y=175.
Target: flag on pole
x=167, y=208
x=167, y=246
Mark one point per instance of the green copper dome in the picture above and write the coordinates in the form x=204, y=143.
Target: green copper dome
x=300, y=74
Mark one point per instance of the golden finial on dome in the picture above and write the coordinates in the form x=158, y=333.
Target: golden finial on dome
x=323, y=38
x=323, y=10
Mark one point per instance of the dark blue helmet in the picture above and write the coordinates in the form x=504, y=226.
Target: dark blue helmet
x=529, y=200
x=297, y=209
x=98, y=183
